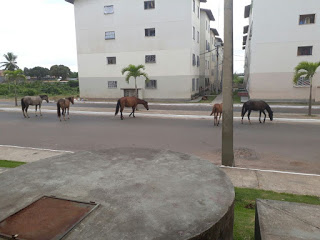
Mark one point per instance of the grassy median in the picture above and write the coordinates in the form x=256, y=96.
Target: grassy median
x=10, y=164
x=244, y=211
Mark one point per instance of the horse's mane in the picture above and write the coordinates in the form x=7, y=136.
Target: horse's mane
x=42, y=96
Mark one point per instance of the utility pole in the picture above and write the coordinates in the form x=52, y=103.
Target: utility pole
x=227, y=123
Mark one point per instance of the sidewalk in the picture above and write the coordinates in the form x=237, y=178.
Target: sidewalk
x=295, y=183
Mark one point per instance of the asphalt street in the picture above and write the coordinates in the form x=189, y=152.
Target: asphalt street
x=183, y=107
x=278, y=146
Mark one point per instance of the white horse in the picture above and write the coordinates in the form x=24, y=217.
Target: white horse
x=34, y=101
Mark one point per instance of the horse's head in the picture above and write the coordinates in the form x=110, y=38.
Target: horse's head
x=71, y=99
x=271, y=115
x=145, y=104
x=44, y=97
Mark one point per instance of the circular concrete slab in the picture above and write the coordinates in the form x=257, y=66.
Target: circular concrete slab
x=143, y=193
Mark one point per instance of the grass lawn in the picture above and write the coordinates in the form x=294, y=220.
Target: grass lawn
x=10, y=164
x=236, y=98
x=210, y=99
x=244, y=211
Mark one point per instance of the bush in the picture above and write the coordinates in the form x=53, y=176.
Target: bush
x=73, y=83
x=29, y=92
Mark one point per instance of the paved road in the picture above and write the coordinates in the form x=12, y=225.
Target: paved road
x=185, y=107
x=279, y=146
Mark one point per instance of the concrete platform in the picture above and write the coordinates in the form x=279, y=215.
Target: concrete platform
x=143, y=193
x=277, y=220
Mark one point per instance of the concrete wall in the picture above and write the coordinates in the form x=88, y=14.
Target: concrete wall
x=204, y=37
x=173, y=45
x=276, y=36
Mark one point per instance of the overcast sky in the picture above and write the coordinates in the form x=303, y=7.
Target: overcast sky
x=42, y=32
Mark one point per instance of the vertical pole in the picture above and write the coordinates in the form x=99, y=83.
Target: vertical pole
x=217, y=71
x=227, y=123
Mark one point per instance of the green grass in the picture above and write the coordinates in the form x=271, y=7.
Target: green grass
x=236, y=98
x=244, y=217
x=210, y=99
x=10, y=164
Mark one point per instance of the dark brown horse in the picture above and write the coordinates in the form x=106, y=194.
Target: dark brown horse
x=256, y=105
x=33, y=101
x=216, y=110
x=64, y=104
x=129, y=102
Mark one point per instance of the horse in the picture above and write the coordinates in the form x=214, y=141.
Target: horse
x=129, y=102
x=34, y=101
x=256, y=105
x=216, y=110
x=64, y=104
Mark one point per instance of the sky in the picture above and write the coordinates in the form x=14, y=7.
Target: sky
x=42, y=32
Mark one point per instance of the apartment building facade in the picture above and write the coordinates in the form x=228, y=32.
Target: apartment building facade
x=163, y=35
x=276, y=40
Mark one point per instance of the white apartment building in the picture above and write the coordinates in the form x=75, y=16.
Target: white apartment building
x=163, y=35
x=281, y=34
x=216, y=55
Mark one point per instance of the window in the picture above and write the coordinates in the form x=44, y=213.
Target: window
x=193, y=84
x=193, y=59
x=193, y=33
x=198, y=11
x=307, y=19
x=111, y=60
x=150, y=32
x=304, y=51
x=198, y=61
x=108, y=9
x=149, y=4
x=152, y=84
x=194, y=6
x=302, y=82
x=198, y=37
x=110, y=35
x=112, y=84
x=197, y=84
x=206, y=25
x=150, y=58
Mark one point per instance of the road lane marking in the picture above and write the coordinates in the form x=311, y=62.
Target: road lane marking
x=171, y=116
x=271, y=171
x=31, y=148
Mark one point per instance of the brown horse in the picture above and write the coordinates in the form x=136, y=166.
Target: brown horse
x=217, y=110
x=129, y=102
x=64, y=104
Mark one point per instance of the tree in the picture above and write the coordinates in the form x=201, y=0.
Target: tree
x=60, y=71
x=307, y=70
x=11, y=63
x=38, y=72
x=134, y=71
x=14, y=76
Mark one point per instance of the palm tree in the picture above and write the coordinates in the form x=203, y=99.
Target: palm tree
x=134, y=71
x=307, y=70
x=11, y=63
x=14, y=76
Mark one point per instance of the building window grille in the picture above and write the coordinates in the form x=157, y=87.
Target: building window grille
x=303, y=82
x=198, y=37
x=152, y=84
x=193, y=84
x=194, y=6
x=111, y=60
x=150, y=32
x=193, y=59
x=307, y=19
x=110, y=35
x=198, y=61
x=193, y=33
x=112, y=84
x=197, y=84
x=149, y=4
x=150, y=58
x=198, y=12
x=305, y=51
x=108, y=9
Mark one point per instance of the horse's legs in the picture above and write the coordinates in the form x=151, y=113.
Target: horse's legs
x=264, y=120
x=260, y=116
x=131, y=112
x=249, y=112
x=243, y=115
x=40, y=110
x=68, y=112
x=36, y=110
x=219, y=119
x=27, y=111
x=215, y=118
x=121, y=110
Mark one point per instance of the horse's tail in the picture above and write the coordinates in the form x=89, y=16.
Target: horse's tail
x=23, y=105
x=213, y=110
x=117, y=108
x=243, y=109
x=58, y=109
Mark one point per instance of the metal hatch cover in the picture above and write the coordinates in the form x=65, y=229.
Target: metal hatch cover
x=48, y=218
